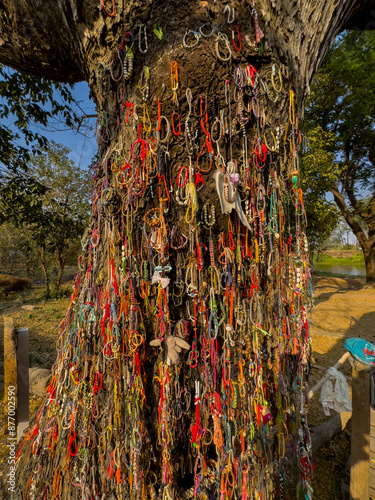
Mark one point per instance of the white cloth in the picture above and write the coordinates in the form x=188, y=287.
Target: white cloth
x=337, y=398
x=157, y=277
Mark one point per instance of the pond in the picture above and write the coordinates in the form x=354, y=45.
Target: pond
x=345, y=269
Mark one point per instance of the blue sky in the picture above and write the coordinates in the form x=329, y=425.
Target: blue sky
x=83, y=145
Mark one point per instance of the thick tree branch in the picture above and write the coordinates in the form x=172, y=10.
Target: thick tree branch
x=41, y=38
x=350, y=175
x=371, y=240
x=303, y=30
x=357, y=205
x=53, y=39
x=372, y=205
x=356, y=228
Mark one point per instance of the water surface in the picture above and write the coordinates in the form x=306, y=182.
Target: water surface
x=345, y=269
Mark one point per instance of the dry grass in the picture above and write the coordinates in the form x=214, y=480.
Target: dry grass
x=43, y=323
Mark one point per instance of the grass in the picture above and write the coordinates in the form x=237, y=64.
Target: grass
x=355, y=260
x=43, y=323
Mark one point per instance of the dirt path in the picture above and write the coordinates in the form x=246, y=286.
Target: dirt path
x=343, y=309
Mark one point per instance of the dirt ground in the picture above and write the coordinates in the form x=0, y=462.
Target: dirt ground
x=343, y=309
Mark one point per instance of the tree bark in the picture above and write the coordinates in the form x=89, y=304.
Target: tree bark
x=27, y=254
x=366, y=241
x=369, y=254
x=119, y=421
x=61, y=262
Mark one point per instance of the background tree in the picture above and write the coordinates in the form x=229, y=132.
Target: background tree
x=28, y=104
x=68, y=196
x=322, y=214
x=117, y=422
x=15, y=250
x=341, y=112
x=53, y=206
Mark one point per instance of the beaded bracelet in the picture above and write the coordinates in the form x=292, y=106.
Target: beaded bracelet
x=195, y=42
x=266, y=90
x=112, y=63
x=240, y=78
x=142, y=26
x=274, y=142
x=273, y=73
x=143, y=83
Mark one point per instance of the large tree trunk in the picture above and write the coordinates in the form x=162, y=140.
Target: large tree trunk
x=369, y=254
x=366, y=241
x=119, y=420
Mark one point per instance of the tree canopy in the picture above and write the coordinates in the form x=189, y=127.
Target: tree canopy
x=322, y=214
x=28, y=104
x=53, y=204
x=340, y=126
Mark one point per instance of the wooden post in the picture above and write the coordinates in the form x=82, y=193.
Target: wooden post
x=360, y=447
x=10, y=367
x=372, y=455
x=22, y=380
x=16, y=377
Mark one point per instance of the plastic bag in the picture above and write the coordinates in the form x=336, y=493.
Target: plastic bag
x=337, y=398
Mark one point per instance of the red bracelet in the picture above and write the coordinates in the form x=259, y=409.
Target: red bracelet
x=179, y=176
x=204, y=145
x=98, y=383
x=179, y=124
x=239, y=39
x=105, y=11
x=71, y=442
x=199, y=180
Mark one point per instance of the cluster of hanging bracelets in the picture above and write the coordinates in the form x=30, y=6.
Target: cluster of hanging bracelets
x=182, y=359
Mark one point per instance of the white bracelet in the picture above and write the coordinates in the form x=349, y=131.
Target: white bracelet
x=168, y=130
x=222, y=37
x=213, y=29
x=229, y=19
x=140, y=37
